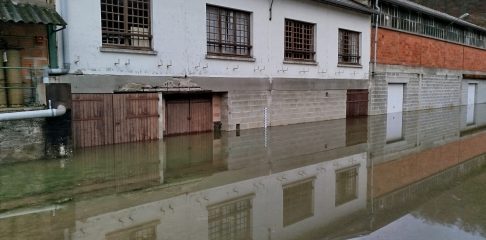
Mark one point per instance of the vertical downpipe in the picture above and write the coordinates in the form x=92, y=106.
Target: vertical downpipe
x=376, y=34
x=3, y=91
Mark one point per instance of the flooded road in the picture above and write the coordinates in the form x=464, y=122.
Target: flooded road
x=413, y=175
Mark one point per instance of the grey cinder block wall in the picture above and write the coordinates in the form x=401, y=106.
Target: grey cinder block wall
x=424, y=88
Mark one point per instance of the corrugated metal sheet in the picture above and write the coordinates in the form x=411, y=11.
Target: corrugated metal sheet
x=28, y=13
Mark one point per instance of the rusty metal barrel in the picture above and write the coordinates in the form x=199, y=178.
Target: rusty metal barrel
x=14, y=79
x=3, y=91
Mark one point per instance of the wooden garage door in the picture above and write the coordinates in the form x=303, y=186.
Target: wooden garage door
x=357, y=103
x=92, y=119
x=136, y=117
x=190, y=115
x=102, y=119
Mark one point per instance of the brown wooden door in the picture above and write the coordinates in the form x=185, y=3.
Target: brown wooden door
x=92, y=119
x=177, y=117
x=201, y=115
x=357, y=103
x=102, y=119
x=187, y=115
x=135, y=117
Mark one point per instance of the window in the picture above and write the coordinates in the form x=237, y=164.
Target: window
x=299, y=41
x=346, y=185
x=349, y=52
x=126, y=24
x=298, y=201
x=230, y=220
x=228, y=32
x=145, y=231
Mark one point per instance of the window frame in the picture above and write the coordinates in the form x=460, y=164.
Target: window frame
x=125, y=34
x=286, y=209
x=349, y=55
x=313, y=53
x=248, y=46
x=342, y=200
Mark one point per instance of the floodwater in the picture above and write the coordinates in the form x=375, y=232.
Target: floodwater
x=413, y=175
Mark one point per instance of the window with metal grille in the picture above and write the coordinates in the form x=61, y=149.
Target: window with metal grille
x=349, y=52
x=299, y=41
x=228, y=32
x=298, y=201
x=346, y=185
x=230, y=220
x=126, y=24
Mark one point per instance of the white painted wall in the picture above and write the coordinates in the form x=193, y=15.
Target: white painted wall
x=179, y=30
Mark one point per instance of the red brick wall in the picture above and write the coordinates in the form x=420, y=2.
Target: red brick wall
x=399, y=173
x=399, y=48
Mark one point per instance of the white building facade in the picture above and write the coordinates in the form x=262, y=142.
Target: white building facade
x=256, y=62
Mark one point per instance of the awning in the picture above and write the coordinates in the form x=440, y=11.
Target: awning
x=28, y=13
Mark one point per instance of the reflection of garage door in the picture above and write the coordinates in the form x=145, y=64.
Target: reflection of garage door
x=188, y=115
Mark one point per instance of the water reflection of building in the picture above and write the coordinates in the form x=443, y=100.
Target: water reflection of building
x=335, y=178
x=282, y=205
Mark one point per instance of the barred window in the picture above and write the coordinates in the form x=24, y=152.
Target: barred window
x=230, y=220
x=145, y=231
x=126, y=24
x=228, y=31
x=299, y=41
x=346, y=185
x=349, y=52
x=298, y=201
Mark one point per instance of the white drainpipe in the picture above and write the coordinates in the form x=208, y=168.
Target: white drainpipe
x=51, y=112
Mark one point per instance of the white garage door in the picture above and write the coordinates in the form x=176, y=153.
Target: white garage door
x=395, y=98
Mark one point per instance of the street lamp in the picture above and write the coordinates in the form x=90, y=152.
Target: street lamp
x=465, y=15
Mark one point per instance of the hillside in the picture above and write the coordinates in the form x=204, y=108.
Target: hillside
x=477, y=8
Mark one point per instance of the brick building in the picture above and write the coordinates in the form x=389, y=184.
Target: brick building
x=425, y=59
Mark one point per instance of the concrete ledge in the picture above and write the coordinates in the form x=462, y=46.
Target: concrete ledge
x=231, y=58
x=129, y=51
x=312, y=63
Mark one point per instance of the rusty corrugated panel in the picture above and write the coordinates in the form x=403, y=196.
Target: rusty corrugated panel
x=28, y=13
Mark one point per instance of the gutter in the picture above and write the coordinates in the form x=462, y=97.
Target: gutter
x=66, y=66
x=377, y=6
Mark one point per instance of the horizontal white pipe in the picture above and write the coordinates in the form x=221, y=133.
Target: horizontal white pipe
x=30, y=211
x=33, y=114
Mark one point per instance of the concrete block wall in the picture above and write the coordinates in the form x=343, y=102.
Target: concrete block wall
x=423, y=89
x=437, y=91
x=290, y=107
x=284, y=107
x=379, y=91
x=244, y=108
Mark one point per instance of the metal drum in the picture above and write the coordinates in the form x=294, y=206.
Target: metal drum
x=14, y=79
